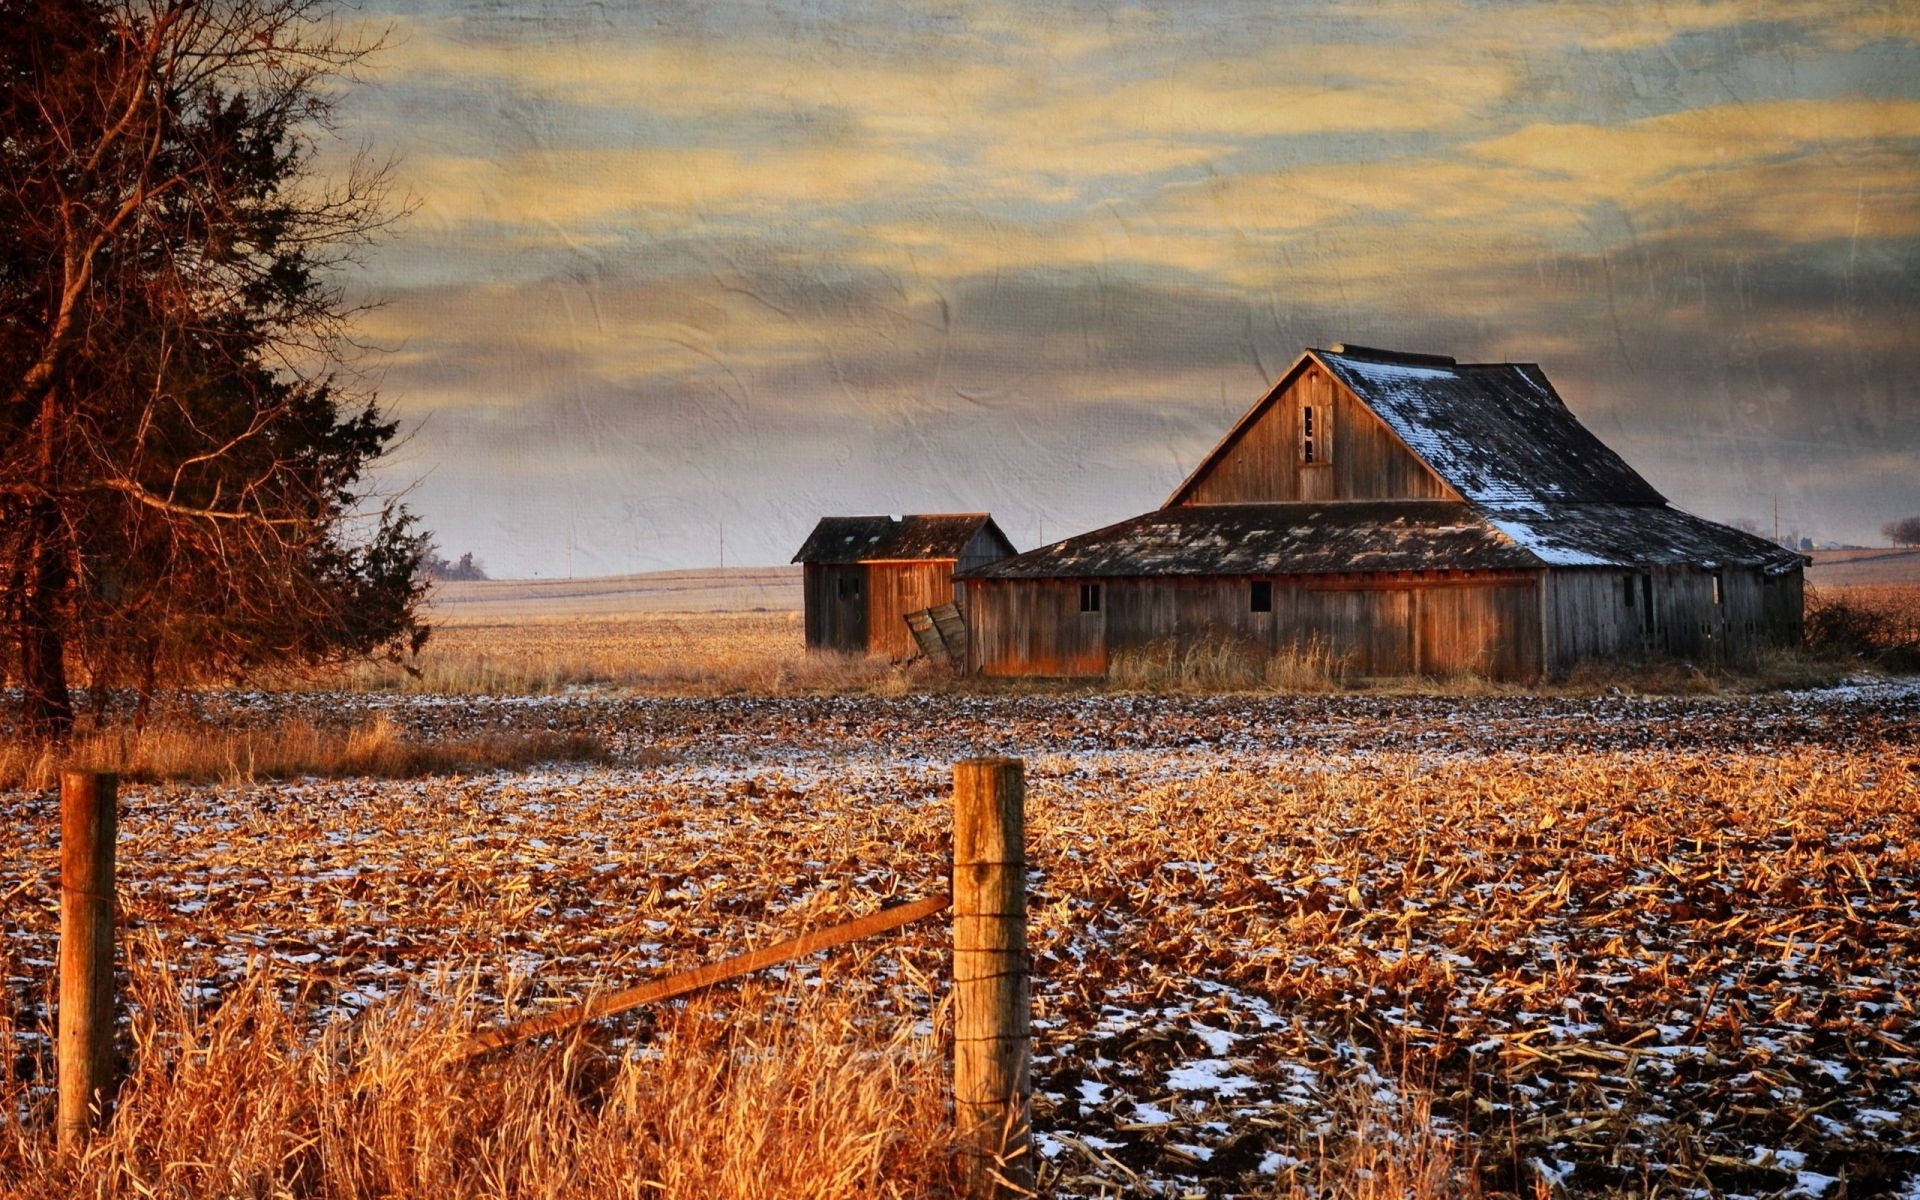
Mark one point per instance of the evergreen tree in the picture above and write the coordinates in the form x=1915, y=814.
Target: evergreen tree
x=183, y=491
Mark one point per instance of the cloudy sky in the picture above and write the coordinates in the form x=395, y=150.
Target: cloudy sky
x=683, y=277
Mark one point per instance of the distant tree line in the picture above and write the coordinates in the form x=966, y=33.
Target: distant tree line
x=435, y=565
x=1904, y=532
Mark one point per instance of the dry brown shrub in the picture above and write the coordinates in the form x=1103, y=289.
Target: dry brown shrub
x=198, y=752
x=776, y=1092
x=1874, y=624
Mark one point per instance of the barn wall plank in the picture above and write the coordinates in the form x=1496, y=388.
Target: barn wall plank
x=1368, y=462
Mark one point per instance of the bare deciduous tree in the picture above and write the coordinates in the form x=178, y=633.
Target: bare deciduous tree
x=1904, y=532
x=181, y=466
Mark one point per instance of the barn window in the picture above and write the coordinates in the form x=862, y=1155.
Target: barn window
x=1316, y=435
x=1719, y=597
x=849, y=587
x=1260, y=596
x=1089, y=597
x=1627, y=589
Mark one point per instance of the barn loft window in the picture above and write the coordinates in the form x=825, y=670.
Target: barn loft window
x=1260, y=596
x=1316, y=435
x=1089, y=597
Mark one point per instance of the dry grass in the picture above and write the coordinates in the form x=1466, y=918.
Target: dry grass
x=1216, y=665
x=763, y=653
x=1587, y=961
x=697, y=654
x=1877, y=624
x=775, y=1093
x=289, y=749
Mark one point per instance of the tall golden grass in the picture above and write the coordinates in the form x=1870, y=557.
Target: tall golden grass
x=782, y=1092
x=289, y=749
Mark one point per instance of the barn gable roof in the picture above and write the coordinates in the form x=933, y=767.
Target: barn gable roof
x=1348, y=536
x=921, y=536
x=1492, y=432
x=1496, y=432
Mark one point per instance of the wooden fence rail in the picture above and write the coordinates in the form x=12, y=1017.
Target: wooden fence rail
x=992, y=1010
x=687, y=982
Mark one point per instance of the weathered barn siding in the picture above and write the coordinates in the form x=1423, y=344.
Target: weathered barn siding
x=1361, y=459
x=1381, y=624
x=895, y=589
x=1033, y=627
x=1596, y=613
x=865, y=573
x=1450, y=518
x=987, y=546
x=834, y=623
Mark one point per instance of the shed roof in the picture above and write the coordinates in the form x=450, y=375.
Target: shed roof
x=867, y=539
x=1334, y=537
x=1495, y=432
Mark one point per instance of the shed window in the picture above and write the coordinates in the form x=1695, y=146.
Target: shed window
x=1260, y=596
x=1089, y=597
x=849, y=587
x=1719, y=597
x=1628, y=586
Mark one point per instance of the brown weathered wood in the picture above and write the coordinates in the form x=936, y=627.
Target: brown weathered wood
x=88, y=825
x=1360, y=456
x=992, y=1021
x=702, y=977
x=927, y=636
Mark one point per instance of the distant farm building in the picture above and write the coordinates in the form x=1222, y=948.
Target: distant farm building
x=1414, y=516
x=864, y=574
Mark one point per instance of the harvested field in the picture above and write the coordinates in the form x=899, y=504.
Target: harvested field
x=670, y=653
x=1604, y=944
x=713, y=589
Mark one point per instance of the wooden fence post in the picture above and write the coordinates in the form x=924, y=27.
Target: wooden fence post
x=992, y=1015
x=88, y=822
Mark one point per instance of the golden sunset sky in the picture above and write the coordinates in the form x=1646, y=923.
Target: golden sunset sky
x=680, y=272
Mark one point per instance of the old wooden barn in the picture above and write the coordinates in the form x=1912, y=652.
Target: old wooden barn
x=864, y=574
x=1415, y=516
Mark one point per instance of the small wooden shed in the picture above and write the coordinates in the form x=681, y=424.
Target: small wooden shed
x=1413, y=515
x=864, y=574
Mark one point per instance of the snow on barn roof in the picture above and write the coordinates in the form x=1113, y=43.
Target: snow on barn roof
x=1636, y=535
x=1495, y=432
x=1344, y=536
x=869, y=539
x=1298, y=538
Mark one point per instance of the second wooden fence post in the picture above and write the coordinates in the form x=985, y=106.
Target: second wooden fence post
x=88, y=826
x=992, y=1014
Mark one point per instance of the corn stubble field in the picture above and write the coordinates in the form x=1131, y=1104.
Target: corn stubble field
x=1284, y=945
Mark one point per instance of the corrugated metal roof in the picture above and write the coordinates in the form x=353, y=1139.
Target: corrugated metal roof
x=1495, y=432
x=1277, y=539
x=863, y=539
x=1333, y=537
